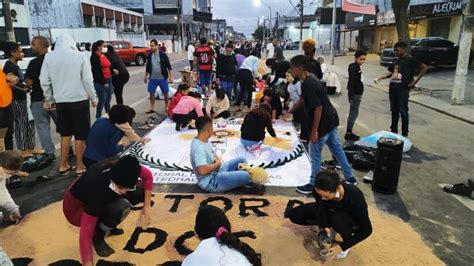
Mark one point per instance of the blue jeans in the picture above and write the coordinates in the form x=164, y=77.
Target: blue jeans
x=227, y=86
x=399, y=107
x=105, y=95
x=315, y=150
x=248, y=143
x=229, y=177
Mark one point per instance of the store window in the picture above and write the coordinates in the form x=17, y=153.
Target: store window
x=87, y=21
x=440, y=27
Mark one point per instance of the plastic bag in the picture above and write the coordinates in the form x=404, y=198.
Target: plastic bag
x=371, y=140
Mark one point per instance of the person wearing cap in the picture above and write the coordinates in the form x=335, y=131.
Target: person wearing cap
x=100, y=200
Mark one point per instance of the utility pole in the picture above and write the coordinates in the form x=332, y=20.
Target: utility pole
x=459, y=87
x=7, y=15
x=301, y=24
x=333, y=32
x=178, y=24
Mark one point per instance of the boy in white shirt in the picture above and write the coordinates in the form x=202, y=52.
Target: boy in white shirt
x=218, y=105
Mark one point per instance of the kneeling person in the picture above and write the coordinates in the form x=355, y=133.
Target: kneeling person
x=100, y=200
x=187, y=109
x=218, y=105
x=340, y=207
x=212, y=174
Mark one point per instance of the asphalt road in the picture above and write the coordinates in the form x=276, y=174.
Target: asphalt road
x=443, y=152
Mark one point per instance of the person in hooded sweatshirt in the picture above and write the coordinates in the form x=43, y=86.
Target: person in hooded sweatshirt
x=68, y=87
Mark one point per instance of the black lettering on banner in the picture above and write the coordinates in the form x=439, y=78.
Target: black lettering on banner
x=113, y=263
x=179, y=243
x=243, y=207
x=21, y=261
x=160, y=239
x=66, y=262
x=291, y=205
x=227, y=202
x=177, y=200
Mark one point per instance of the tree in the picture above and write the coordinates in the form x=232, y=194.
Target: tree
x=400, y=8
x=7, y=15
x=259, y=33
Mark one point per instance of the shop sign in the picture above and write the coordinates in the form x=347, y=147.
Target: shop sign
x=385, y=18
x=444, y=9
x=356, y=21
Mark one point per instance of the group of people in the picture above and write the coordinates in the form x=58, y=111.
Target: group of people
x=106, y=187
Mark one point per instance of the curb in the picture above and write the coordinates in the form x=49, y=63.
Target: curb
x=385, y=89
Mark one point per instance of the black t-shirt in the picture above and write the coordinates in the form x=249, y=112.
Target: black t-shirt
x=354, y=204
x=314, y=96
x=33, y=72
x=10, y=67
x=315, y=67
x=92, y=189
x=226, y=66
x=407, y=67
x=254, y=126
x=354, y=84
x=279, y=69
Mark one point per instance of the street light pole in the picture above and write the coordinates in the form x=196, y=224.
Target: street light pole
x=333, y=32
x=257, y=2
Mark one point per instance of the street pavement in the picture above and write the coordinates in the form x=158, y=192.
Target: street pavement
x=442, y=153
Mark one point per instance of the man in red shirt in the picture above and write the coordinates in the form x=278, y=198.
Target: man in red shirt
x=204, y=57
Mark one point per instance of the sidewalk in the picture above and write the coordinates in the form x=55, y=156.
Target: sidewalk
x=433, y=91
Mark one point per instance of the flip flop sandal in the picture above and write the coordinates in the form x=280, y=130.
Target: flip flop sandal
x=79, y=174
x=67, y=171
x=150, y=112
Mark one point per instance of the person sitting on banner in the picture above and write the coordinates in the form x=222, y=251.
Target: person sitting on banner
x=212, y=174
x=339, y=208
x=188, y=108
x=218, y=105
x=219, y=246
x=273, y=99
x=106, y=133
x=183, y=90
x=254, y=125
x=101, y=199
x=10, y=164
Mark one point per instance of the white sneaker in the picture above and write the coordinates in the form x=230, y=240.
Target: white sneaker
x=343, y=254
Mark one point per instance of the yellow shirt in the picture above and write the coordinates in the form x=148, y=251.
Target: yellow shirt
x=6, y=94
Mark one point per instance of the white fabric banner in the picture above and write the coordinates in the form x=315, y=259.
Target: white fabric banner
x=167, y=154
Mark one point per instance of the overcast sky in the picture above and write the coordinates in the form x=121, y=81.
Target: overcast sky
x=243, y=15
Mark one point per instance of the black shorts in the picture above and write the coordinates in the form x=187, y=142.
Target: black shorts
x=74, y=119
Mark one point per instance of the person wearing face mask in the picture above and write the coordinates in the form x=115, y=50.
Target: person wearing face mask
x=226, y=70
x=102, y=72
x=340, y=208
x=100, y=200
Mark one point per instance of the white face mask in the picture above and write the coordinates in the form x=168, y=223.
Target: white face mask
x=115, y=189
x=104, y=50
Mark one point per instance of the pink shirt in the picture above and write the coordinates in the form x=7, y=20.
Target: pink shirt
x=186, y=105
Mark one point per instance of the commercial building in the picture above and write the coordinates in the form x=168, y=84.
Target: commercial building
x=85, y=21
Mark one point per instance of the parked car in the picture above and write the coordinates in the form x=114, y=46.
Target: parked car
x=130, y=53
x=432, y=51
x=22, y=64
x=293, y=46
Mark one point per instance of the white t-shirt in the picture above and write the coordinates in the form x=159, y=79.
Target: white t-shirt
x=271, y=50
x=210, y=253
x=294, y=90
x=190, y=52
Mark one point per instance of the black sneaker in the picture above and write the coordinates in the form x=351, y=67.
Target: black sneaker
x=351, y=136
x=352, y=181
x=50, y=158
x=459, y=189
x=330, y=164
x=306, y=189
x=252, y=189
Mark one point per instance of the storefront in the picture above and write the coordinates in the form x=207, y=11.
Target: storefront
x=363, y=26
x=438, y=19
